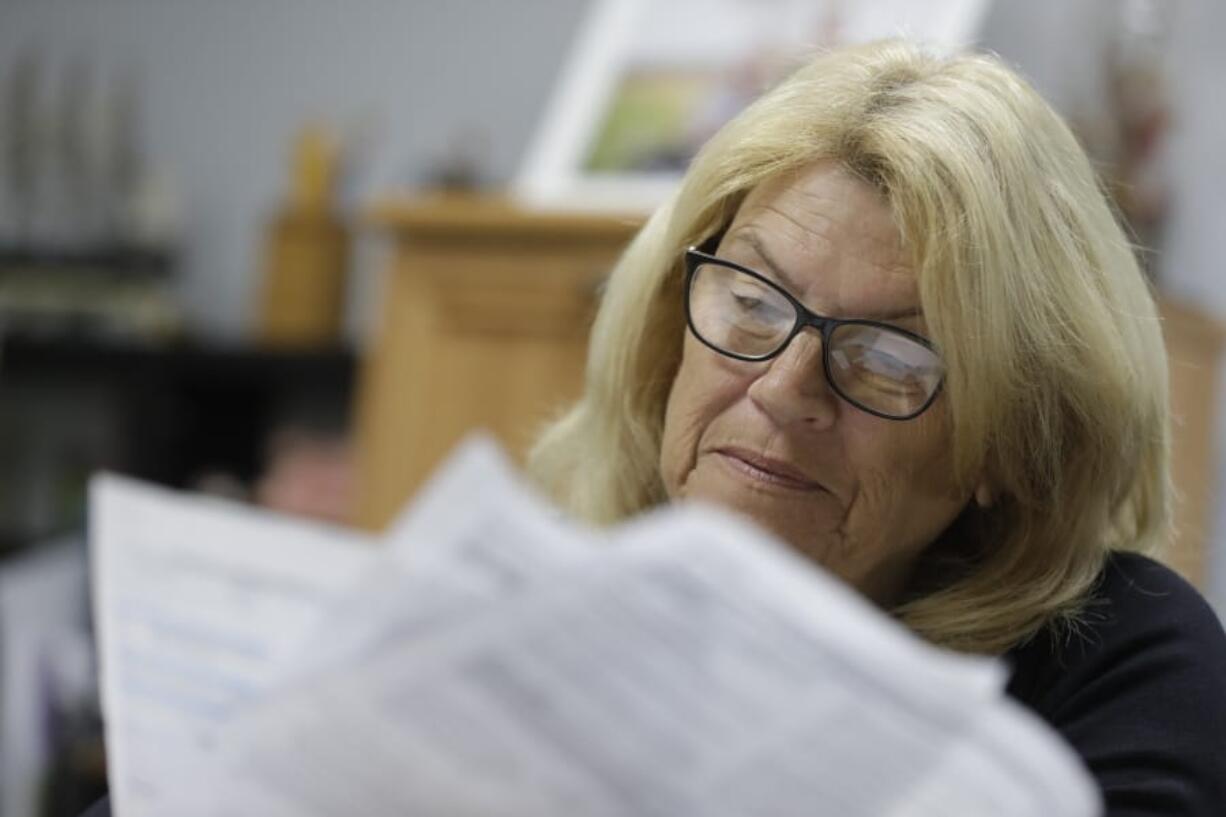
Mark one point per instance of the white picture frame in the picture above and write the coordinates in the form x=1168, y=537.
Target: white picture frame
x=691, y=61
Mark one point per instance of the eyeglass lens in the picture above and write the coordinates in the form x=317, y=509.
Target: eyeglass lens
x=872, y=366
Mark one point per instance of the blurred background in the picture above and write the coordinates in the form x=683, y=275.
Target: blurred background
x=266, y=249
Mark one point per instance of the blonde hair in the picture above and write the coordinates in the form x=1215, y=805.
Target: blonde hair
x=1056, y=370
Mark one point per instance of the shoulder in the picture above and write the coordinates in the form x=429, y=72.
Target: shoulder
x=1143, y=622
x=1138, y=689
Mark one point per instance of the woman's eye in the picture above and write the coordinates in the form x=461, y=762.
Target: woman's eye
x=749, y=304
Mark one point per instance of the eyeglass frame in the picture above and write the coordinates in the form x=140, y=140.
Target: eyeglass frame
x=805, y=317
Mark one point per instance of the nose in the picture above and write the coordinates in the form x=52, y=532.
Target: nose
x=793, y=388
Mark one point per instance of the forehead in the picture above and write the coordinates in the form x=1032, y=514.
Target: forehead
x=832, y=237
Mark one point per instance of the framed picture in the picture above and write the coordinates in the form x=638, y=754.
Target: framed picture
x=648, y=81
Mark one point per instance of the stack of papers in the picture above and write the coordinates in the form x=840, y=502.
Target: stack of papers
x=489, y=657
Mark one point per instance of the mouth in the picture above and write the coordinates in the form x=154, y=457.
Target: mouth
x=767, y=470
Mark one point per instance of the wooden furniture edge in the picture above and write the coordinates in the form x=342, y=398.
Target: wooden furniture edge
x=468, y=216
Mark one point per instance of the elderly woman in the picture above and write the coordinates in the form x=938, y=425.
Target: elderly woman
x=891, y=317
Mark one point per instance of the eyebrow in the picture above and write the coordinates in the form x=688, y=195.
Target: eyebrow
x=755, y=243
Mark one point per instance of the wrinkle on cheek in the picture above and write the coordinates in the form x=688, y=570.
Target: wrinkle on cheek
x=869, y=509
x=683, y=426
x=691, y=438
x=776, y=444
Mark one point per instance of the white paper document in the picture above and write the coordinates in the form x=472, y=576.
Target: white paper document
x=199, y=604
x=493, y=658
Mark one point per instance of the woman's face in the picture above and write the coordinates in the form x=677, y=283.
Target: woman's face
x=861, y=495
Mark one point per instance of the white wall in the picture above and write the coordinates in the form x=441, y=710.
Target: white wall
x=227, y=82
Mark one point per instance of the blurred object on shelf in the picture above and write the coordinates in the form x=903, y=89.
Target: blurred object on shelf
x=123, y=293
x=308, y=474
x=463, y=165
x=306, y=250
x=1129, y=138
x=1141, y=95
x=89, y=234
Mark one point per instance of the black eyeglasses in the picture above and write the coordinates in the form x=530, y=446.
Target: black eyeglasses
x=879, y=368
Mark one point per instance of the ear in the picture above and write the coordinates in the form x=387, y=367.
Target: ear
x=983, y=495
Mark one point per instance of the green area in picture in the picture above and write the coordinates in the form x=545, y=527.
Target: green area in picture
x=654, y=122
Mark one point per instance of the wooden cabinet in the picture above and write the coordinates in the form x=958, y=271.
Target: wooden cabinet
x=485, y=320
x=1194, y=345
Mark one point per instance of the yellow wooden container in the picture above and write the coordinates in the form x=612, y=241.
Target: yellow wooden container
x=305, y=259
x=306, y=251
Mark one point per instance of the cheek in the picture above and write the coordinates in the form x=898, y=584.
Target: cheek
x=905, y=482
x=705, y=386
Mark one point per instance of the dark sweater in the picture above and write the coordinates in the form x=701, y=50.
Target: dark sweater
x=1140, y=693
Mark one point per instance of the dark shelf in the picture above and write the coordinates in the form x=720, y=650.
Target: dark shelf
x=164, y=413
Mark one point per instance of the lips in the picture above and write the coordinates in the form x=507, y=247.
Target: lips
x=768, y=470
